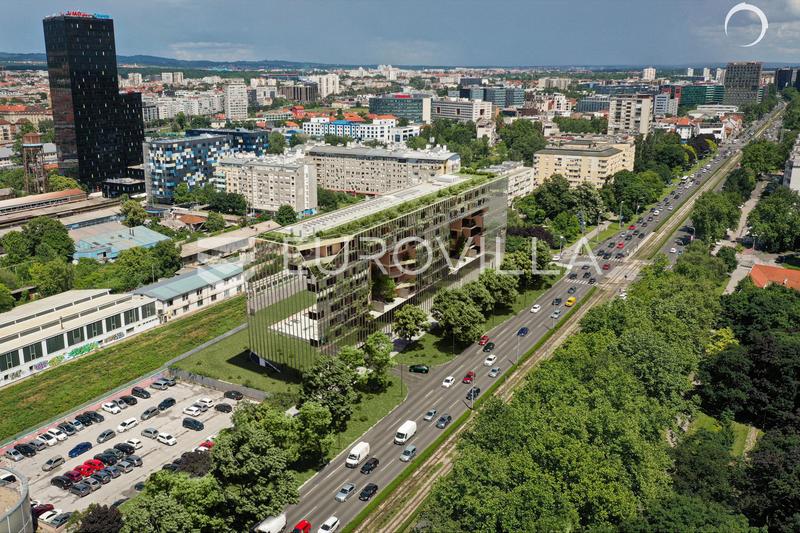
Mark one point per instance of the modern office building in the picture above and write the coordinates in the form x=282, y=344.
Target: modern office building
x=584, y=160
x=373, y=171
x=649, y=74
x=520, y=178
x=412, y=107
x=327, y=84
x=701, y=94
x=384, y=130
x=235, y=100
x=98, y=131
x=239, y=139
x=742, y=83
x=53, y=330
x=630, y=114
x=664, y=104
x=786, y=77
x=593, y=104
x=500, y=97
x=300, y=91
x=271, y=181
x=310, y=289
x=460, y=109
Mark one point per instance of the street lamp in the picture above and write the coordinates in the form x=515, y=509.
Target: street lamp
x=620, y=214
x=561, y=245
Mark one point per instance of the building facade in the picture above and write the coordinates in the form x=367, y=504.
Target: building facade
x=327, y=84
x=306, y=297
x=412, y=107
x=694, y=95
x=385, y=130
x=664, y=104
x=363, y=170
x=98, y=131
x=460, y=109
x=236, y=101
x=272, y=181
x=649, y=74
x=593, y=104
x=53, y=330
x=520, y=178
x=584, y=161
x=742, y=83
x=302, y=92
x=630, y=114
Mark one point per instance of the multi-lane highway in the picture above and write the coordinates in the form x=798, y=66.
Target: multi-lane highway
x=426, y=392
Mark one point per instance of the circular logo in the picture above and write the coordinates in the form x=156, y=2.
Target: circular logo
x=744, y=6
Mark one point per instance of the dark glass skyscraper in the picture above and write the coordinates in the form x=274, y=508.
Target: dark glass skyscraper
x=98, y=131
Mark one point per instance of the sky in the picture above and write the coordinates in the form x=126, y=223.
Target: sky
x=430, y=32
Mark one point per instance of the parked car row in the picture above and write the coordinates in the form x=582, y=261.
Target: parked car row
x=93, y=473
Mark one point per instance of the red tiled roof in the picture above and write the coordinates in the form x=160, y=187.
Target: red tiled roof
x=763, y=275
x=191, y=219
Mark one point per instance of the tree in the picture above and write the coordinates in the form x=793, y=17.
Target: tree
x=52, y=277
x=182, y=194
x=199, y=122
x=314, y=424
x=49, y=231
x=384, y=288
x=741, y=181
x=352, y=356
x=56, y=182
x=589, y=202
x=229, y=203
x=135, y=267
x=501, y=286
x=457, y=316
x=775, y=221
x=298, y=139
x=714, y=213
x=480, y=295
x=167, y=255
x=409, y=321
x=133, y=213
x=100, y=519
x=377, y=358
x=762, y=156
x=566, y=225
x=17, y=248
x=555, y=196
x=702, y=466
x=415, y=143
x=523, y=138
x=329, y=382
x=196, y=464
x=6, y=299
x=677, y=512
x=277, y=143
x=286, y=215
x=215, y=222
x=728, y=256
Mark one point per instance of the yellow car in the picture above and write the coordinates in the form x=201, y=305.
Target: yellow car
x=570, y=301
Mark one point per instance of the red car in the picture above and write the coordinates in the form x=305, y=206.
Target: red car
x=620, y=245
x=303, y=526
x=73, y=475
x=483, y=340
x=85, y=470
x=606, y=266
x=207, y=444
x=469, y=378
x=96, y=464
x=40, y=509
x=632, y=226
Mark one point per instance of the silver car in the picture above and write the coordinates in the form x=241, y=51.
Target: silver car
x=150, y=433
x=53, y=462
x=429, y=415
x=150, y=412
x=347, y=490
x=14, y=455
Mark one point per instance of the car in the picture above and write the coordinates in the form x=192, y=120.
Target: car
x=149, y=413
x=489, y=361
x=345, y=492
x=607, y=256
x=641, y=235
x=606, y=266
x=629, y=237
x=585, y=267
x=166, y=438
x=673, y=250
x=170, y=381
x=557, y=257
x=536, y=308
x=419, y=369
x=522, y=332
x=473, y=393
x=619, y=255
x=592, y=281
x=368, y=492
x=140, y=392
x=207, y=444
x=106, y=436
x=233, y=395
x=159, y=384
x=573, y=275
x=95, y=464
x=107, y=458
x=329, y=526
x=61, y=482
x=303, y=526
x=429, y=415
x=203, y=407
x=166, y=404
x=125, y=448
x=125, y=466
x=469, y=377
x=68, y=429
x=556, y=313
x=571, y=301
x=444, y=421
x=192, y=410
x=114, y=471
x=60, y=519
x=572, y=290
x=632, y=227
x=14, y=455
x=127, y=424
x=448, y=381
x=73, y=475
x=102, y=476
x=84, y=419
x=80, y=489
x=52, y=463
x=48, y=439
x=40, y=509
x=128, y=399
x=77, y=424
x=621, y=245
x=135, y=459
x=494, y=372
x=25, y=449
x=172, y=467
x=111, y=407
x=138, y=487
x=409, y=452
x=191, y=423
x=489, y=347
x=49, y=515
x=84, y=470
x=611, y=245
x=93, y=483
x=671, y=207
x=135, y=443
x=587, y=275
x=150, y=433
x=370, y=465
x=223, y=407
x=483, y=340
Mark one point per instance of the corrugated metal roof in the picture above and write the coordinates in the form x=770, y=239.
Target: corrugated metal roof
x=190, y=281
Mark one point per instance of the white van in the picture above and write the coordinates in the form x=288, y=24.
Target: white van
x=405, y=432
x=357, y=454
x=273, y=524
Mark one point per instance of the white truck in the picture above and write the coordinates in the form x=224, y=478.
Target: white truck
x=272, y=524
x=357, y=454
x=405, y=432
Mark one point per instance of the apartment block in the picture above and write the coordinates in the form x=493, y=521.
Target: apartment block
x=327, y=84
x=460, y=109
x=742, y=83
x=520, y=178
x=374, y=171
x=300, y=92
x=664, y=104
x=271, y=181
x=384, y=130
x=630, y=114
x=584, y=160
x=236, y=101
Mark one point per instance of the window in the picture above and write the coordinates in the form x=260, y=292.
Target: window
x=34, y=351
x=148, y=310
x=131, y=316
x=75, y=336
x=55, y=344
x=9, y=360
x=113, y=322
x=94, y=329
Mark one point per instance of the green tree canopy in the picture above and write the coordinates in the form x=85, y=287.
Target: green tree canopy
x=133, y=213
x=286, y=215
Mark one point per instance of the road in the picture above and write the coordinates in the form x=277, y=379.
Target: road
x=426, y=391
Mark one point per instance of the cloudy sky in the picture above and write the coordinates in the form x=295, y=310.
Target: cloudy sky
x=435, y=32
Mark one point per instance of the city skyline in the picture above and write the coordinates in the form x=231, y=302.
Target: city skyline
x=513, y=33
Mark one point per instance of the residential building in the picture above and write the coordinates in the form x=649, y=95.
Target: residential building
x=460, y=109
x=54, y=330
x=193, y=290
x=271, y=181
x=375, y=171
x=742, y=83
x=235, y=100
x=631, y=114
x=412, y=107
x=664, y=104
x=715, y=110
x=649, y=74
x=384, y=130
x=7, y=131
x=706, y=74
x=520, y=178
x=302, y=92
x=6, y=157
x=791, y=172
x=239, y=139
x=177, y=78
x=134, y=79
x=307, y=296
x=584, y=160
x=327, y=84
x=684, y=127
x=561, y=84
x=106, y=246
x=690, y=71
x=98, y=131
x=719, y=75
x=593, y=104
x=763, y=275
x=166, y=77
x=17, y=113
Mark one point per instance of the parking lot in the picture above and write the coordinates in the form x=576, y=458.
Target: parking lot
x=154, y=454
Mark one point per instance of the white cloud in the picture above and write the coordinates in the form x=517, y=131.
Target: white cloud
x=212, y=51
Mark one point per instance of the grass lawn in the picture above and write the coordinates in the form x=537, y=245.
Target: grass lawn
x=44, y=396
x=703, y=421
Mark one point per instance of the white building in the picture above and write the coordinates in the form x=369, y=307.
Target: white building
x=177, y=78
x=706, y=74
x=649, y=74
x=555, y=83
x=520, y=178
x=460, y=109
x=166, y=77
x=791, y=172
x=631, y=114
x=193, y=290
x=690, y=71
x=327, y=83
x=664, y=104
x=384, y=130
x=134, y=79
x=235, y=100
x=53, y=330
